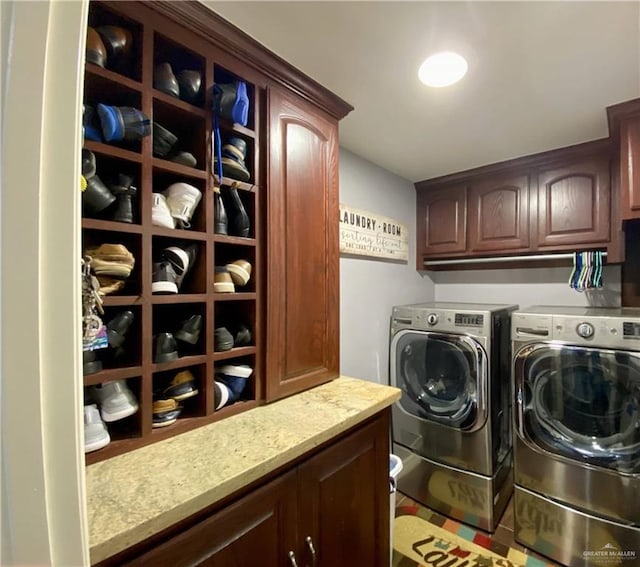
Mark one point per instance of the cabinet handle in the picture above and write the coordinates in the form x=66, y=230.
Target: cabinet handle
x=312, y=550
x=292, y=559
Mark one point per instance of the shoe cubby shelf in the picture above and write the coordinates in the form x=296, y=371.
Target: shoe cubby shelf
x=167, y=75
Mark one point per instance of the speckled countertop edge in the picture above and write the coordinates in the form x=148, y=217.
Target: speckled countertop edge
x=133, y=496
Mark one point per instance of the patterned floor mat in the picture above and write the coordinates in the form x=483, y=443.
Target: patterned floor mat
x=421, y=538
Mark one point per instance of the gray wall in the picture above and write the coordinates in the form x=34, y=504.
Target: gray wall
x=524, y=287
x=369, y=288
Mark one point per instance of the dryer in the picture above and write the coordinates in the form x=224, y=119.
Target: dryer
x=576, y=375
x=452, y=424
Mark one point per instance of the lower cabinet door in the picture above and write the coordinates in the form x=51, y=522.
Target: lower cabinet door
x=256, y=531
x=343, y=505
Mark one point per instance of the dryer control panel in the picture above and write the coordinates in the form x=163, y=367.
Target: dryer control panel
x=613, y=332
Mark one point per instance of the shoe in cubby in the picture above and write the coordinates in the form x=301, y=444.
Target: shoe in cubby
x=182, y=200
x=223, y=339
x=125, y=193
x=165, y=348
x=115, y=399
x=164, y=279
x=183, y=385
x=165, y=81
x=165, y=412
x=96, y=197
x=96, y=434
x=123, y=123
x=233, y=156
x=222, y=282
x=231, y=101
x=182, y=257
x=186, y=66
x=95, y=51
x=189, y=330
x=221, y=395
x=111, y=259
x=238, y=221
x=235, y=377
x=240, y=271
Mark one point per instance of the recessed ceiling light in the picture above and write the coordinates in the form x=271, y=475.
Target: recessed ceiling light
x=442, y=69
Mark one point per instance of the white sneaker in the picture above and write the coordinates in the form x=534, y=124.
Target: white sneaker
x=160, y=212
x=115, y=399
x=182, y=199
x=96, y=435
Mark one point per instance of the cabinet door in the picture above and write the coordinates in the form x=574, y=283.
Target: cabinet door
x=499, y=214
x=441, y=221
x=574, y=204
x=344, y=500
x=630, y=167
x=256, y=531
x=303, y=248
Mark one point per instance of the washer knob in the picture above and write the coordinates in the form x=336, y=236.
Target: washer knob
x=585, y=330
x=432, y=318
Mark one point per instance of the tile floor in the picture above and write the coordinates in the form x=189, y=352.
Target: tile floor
x=503, y=534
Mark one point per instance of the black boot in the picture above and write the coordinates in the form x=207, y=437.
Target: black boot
x=96, y=197
x=239, y=224
x=124, y=192
x=221, y=220
x=166, y=348
x=189, y=330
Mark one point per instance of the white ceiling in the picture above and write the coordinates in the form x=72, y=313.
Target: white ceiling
x=540, y=73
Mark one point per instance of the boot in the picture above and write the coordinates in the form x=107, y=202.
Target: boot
x=239, y=224
x=124, y=192
x=96, y=197
x=221, y=220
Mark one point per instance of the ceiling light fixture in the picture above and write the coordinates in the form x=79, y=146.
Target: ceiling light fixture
x=442, y=69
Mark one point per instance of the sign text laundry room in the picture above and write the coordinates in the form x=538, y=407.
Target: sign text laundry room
x=363, y=233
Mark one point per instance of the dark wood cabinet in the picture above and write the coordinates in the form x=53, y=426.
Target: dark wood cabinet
x=574, y=203
x=559, y=201
x=303, y=268
x=289, y=306
x=630, y=167
x=441, y=220
x=331, y=508
x=498, y=214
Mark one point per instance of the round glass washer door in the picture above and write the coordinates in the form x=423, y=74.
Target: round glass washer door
x=442, y=377
x=581, y=403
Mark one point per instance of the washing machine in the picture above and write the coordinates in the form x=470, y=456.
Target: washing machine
x=452, y=424
x=576, y=375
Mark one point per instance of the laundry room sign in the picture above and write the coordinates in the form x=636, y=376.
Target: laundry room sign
x=368, y=234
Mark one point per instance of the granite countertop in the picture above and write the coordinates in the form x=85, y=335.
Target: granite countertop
x=133, y=496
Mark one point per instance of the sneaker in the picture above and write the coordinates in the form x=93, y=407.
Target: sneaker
x=240, y=271
x=182, y=257
x=111, y=260
x=90, y=124
x=182, y=386
x=223, y=339
x=115, y=399
x=222, y=282
x=160, y=212
x=164, y=278
x=189, y=331
x=234, y=376
x=182, y=199
x=165, y=412
x=96, y=435
x=165, y=348
x=221, y=395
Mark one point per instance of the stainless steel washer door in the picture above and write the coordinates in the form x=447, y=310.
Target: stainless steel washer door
x=442, y=377
x=580, y=403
